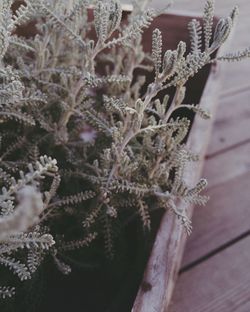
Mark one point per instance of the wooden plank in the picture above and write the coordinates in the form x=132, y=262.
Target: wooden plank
x=232, y=122
x=238, y=73
x=226, y=216
x=220, y=284
x=227, y=165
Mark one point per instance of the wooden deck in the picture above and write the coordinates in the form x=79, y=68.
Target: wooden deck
x=215, y=274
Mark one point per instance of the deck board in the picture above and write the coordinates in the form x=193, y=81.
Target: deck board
x=220, y=284
x=227, y=165
x=232, y=121
x=225, y=217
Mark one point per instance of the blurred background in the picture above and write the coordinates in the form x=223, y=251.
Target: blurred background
x=215, y=272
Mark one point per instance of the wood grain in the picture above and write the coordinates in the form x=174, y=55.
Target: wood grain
x=220, y=284
x=225, y=217
x=227, y=165
x=232, y=122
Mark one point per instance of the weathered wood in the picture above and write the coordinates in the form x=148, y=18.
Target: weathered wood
x=227, y=165
x=163, y=265
x=220, y=284
x=226, y=216
x=232, y=122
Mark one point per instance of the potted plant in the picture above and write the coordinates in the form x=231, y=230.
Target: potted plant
x=81, y=86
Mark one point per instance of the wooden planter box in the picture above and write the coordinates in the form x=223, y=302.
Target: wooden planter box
x=154, y=293
x=159, y=278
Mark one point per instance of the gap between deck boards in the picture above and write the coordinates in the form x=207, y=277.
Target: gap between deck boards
x=214, y=252
x=220, y=284
x=226, y=216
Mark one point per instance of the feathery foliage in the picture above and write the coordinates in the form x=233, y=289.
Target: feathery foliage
x=114, y=148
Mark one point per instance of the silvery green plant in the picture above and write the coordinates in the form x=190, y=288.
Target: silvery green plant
x=113, y=150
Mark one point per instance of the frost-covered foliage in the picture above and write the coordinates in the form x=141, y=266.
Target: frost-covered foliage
x=70, y=92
